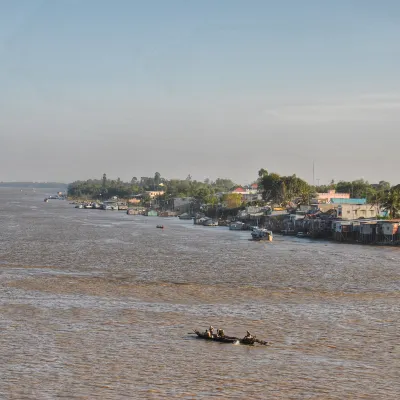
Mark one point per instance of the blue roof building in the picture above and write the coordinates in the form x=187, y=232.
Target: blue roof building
x=349, y=201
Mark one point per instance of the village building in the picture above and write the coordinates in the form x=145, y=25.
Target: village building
x=331, y=195
x=155, y=193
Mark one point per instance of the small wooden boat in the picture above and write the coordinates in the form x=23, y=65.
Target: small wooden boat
x=230, y=339
x=160, y=226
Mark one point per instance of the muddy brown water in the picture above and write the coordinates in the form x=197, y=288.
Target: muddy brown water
x=98, y=305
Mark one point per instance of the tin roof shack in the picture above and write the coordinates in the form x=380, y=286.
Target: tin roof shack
x=183, y=204
x=319, y=227
x=368, y=231
x=343, y=231
x=168, y=214
x=136, y=211
x=151, y=213
x=388, y=231
x=292, y=223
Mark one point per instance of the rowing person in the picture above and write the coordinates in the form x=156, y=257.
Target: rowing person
x=209, y=332
x=248, y=335
x=220, y=333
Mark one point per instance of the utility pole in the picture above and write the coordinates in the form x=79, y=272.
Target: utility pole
x=313, y=173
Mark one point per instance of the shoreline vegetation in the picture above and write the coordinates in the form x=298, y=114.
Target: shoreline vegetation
x=271, y=189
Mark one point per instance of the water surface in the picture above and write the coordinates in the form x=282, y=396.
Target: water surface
x=98, y=304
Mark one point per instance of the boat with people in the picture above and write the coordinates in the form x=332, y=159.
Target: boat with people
x=261, y=234
x=220, y=336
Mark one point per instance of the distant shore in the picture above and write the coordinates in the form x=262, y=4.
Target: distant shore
x=34, y=185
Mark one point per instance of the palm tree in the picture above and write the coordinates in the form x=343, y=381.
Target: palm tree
x=391, y=202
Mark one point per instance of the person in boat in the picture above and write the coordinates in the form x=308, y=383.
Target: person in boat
x=220, y=333
x=209, y=332
x=248, y=335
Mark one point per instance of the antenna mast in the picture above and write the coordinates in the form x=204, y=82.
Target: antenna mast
x=313, y=173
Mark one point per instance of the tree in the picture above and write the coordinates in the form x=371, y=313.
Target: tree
x=104, y=180
x=223, y=185
x=233, y=200
x=262, y=172
x=203, y=194
x=134, y=181
x=285, y=189
x=271, y=187
x=357, y=189
x=157, y=178
x=391, y=202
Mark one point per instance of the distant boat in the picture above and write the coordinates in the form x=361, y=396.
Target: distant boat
x=210, y=222
x=237, y=226
x=261, y=234
x=184, y=216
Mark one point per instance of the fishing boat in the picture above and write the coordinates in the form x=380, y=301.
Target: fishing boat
x=160, y=226
x=261, y=234
x=230, y=339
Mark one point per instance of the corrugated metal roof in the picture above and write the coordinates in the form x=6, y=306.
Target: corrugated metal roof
x=349, y=201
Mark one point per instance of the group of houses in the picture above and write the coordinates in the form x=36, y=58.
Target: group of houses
x=341, y=218
x=248, y=193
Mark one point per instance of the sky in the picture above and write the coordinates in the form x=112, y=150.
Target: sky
x=211, y=88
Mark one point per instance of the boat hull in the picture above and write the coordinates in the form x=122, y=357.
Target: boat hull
x=225, y=339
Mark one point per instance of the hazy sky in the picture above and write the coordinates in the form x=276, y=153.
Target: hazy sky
x=214, y=88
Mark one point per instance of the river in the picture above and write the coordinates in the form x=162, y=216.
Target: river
x=99, y=305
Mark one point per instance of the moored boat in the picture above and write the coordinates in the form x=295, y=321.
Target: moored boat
x=237, y=226
x=185, y=216
x=210, y=222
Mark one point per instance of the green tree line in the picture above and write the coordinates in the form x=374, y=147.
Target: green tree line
x=276, y=189
x=205, y=192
